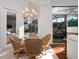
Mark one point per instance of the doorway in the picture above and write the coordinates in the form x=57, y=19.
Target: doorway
x=8, y=26
x=59, y=21
x=59, y=28
x=11, y=24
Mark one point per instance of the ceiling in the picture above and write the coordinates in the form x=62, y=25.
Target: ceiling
x=65, y=10
x=53, y=2
x=37, y=1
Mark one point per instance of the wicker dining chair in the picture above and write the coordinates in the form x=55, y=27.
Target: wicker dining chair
x=33, y=35
x=16, y=38
x=45, y=41
x=18, y=48
x=34, y=47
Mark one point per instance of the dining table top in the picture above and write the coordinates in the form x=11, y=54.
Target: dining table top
x=29, y=38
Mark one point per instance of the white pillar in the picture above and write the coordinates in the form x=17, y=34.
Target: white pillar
x=45, y=20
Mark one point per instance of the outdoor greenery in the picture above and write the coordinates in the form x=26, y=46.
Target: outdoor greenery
x=32, y=27
x=73, y=22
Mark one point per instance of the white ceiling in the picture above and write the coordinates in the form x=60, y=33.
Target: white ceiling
x=37, y=1
x=64, y=2
x=54, y=2
x=65, y=10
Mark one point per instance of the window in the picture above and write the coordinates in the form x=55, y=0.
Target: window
x=72, y=20
x=30, y=26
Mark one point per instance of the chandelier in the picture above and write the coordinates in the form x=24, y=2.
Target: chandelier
x=30, y=12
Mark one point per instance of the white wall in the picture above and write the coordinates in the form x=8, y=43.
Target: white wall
x=45, y=20
x=0, y=21
x=15, y=6
x=72, y=46
x=64, y=2
x=72, y=29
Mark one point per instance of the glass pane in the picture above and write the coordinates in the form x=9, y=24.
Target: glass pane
x=30, y=26
x=11, y=22
x=72, y=20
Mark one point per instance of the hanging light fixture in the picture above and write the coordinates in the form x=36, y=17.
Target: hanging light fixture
x=30, y=12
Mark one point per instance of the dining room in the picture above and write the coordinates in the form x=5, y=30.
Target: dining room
x=26, y=30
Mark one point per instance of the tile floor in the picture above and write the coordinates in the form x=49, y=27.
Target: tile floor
x=8, y=54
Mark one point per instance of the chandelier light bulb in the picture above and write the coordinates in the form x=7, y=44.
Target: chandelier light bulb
x=35, y=13
x=23, y=11
x=33, y=10
x=26, y=9
x=31, y=15
x=26, y=14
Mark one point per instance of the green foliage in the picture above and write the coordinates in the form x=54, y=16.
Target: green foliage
x=32, y=27
x=73, y=22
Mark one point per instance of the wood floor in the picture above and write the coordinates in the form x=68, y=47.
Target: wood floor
x=59, y=50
